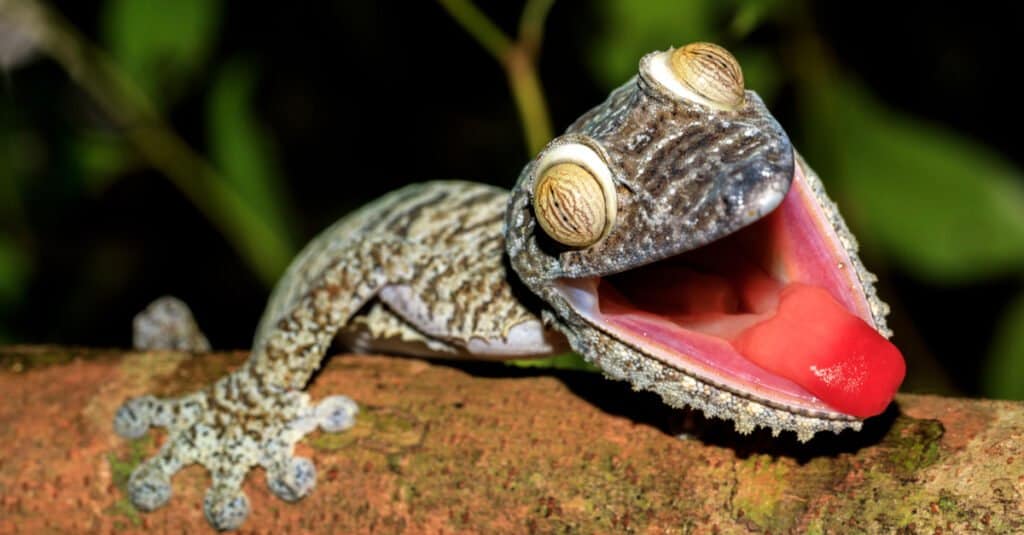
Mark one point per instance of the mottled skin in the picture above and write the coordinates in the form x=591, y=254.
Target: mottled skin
x=426, y=271
x=686, y=175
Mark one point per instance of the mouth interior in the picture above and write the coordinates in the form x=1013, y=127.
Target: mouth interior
x=774, y=311
x=719, y=290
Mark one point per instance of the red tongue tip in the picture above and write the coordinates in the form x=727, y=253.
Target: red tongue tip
x=815, y=342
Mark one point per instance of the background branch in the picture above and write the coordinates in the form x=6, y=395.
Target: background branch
x=559, y=452
x=517, y=58
x=265, y=249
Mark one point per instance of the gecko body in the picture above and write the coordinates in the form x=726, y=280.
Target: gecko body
x=670, y=236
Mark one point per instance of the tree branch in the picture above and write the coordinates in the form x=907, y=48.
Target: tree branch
x=531, y=25
x=517, y=58
x=476, y=23
x=488, y=448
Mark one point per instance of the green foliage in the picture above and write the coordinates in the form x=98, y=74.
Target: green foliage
x=749, y=14
x=19, y=155
x=161, y=43
x=565, y=361
x=1003, y=375
x=628, y=31
x=943, y=207
x=243, y=151
x=15, y=269
x=102, y=156
x=121, y=467
x=761, y=71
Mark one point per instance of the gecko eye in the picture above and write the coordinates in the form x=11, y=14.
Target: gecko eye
x=702, y=72
x=573, y=196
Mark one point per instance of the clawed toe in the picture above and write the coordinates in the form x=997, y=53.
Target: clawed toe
x=336, y=413
x=292, y=479
x=134, y=417
x=149, y=487
x=226, y=507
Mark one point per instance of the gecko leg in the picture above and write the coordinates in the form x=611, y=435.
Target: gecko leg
x=255, y=415
x=167, y=323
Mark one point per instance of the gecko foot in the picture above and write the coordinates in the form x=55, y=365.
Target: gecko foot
x=229, y=428
x=167, y=323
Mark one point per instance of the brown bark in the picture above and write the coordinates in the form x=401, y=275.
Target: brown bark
x=444, y=447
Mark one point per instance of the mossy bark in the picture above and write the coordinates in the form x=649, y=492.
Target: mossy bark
x=484, y=448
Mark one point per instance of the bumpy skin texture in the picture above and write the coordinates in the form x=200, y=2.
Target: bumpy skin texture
x=167, y=323
x=437, y=250
x=686, y=175
x=426, y=271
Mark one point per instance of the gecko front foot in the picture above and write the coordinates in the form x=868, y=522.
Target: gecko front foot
x=229, y=428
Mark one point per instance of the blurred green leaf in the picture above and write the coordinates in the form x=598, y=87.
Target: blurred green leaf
x=761, y=72
x=631, y=29
x=22, y=154
x=1003, y=374
x=565, y=361
x=243, y=151
x=161, y=43
x=941, y=205
x=752, y=13
x=102, y=157
x=15, y=268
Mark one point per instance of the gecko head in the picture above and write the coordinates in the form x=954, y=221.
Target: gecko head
x=673, y=229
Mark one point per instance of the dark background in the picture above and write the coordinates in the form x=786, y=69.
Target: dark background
x=358, y=98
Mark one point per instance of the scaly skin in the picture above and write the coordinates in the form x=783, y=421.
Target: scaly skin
x=426, y=271
x=442, y=240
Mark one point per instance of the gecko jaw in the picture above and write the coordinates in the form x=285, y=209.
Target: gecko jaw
x=735, y=314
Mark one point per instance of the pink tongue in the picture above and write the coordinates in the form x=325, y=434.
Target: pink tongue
x=813, y=341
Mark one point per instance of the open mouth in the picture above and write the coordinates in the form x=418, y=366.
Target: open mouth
x=775, y=311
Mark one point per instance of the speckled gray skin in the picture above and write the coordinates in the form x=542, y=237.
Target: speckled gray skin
x=686, y=175
x=167, y=323
x=425, y=271
x=420, y=271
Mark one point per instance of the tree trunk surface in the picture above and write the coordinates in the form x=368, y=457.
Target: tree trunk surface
x=444, y=447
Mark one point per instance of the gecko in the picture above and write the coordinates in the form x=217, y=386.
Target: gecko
x=672, y=236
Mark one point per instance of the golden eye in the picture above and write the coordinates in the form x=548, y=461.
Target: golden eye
x=570, y=205
x=711, y=72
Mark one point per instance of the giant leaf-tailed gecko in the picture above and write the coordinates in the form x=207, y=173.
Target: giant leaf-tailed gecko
x=671, y=236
